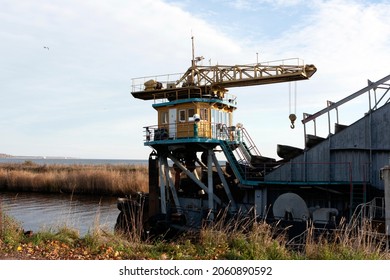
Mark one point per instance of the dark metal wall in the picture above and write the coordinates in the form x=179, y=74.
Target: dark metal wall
x=355, y=154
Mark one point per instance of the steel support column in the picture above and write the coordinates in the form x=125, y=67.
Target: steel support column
x=224, y=183
x=162, y=186
x=386, y=177
x=171, y=184
x=193, y=177
x=210, y=187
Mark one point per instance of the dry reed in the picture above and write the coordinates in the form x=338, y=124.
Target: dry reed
x=354, y=240
x=81, y=179
x=242, y=237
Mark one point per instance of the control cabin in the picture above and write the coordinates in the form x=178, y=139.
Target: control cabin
x=187, y=115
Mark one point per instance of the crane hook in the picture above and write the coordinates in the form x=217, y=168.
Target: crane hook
x=292, y=118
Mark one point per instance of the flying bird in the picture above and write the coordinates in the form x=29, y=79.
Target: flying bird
x=46, y=47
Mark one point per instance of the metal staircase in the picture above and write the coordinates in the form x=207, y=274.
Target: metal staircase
x=247, y=143
x=234, y=164
x=240, y=154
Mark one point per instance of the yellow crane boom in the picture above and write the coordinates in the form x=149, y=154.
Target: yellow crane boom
x=221, y=77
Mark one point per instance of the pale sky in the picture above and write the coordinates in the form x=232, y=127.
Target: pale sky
x=66, y=66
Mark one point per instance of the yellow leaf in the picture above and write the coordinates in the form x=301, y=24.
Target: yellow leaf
x=19, y=248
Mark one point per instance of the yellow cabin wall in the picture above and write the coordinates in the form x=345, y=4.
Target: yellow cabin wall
x=184, y=127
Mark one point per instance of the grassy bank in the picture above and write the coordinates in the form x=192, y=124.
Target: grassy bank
x=213, y=242
x=77, y=179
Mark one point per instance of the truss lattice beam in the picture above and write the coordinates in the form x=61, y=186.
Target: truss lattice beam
x=223, y=76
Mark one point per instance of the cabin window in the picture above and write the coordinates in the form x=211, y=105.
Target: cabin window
x=204, y=114
x=182, y=115
x=191, y=112
x=164, y=117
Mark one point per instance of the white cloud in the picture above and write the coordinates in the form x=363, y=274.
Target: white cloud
x=77, y=88
x=242, y=4
x=77, y=93
x=257, y=4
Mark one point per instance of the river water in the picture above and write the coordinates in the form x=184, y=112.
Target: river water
x=36, y=211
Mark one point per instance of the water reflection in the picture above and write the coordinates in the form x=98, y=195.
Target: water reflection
x=49, y=211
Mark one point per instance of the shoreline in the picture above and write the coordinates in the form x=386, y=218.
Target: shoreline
x=72, y=160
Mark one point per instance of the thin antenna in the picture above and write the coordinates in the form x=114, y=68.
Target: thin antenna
x=193, y=61
x=193, y=50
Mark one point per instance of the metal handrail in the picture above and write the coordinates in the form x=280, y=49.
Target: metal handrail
x=369, y=210
x=227, y=75
x=186, y=130
x=248, y=140
x=298, y=172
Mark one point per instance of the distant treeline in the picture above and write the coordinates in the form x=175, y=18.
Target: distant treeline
x=77, y=179
x=5, y=156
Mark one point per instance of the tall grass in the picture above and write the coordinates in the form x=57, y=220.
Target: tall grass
x=80, y=179
x=11, y=232
x=349, y=241
x=242, y=237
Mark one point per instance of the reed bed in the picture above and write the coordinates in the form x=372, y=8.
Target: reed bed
x=76, y=179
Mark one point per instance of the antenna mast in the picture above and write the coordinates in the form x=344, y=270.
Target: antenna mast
x=192, y=61
x=193, y=51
